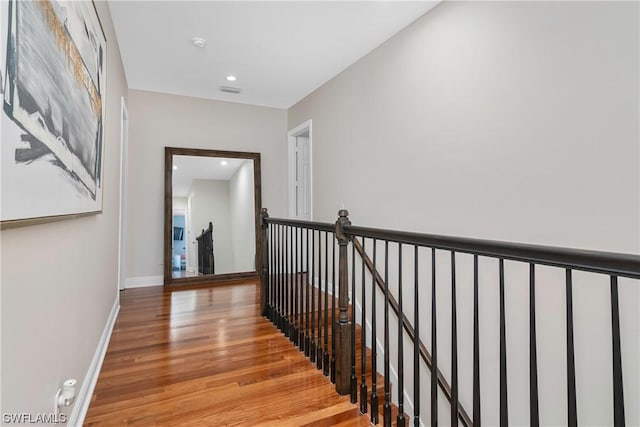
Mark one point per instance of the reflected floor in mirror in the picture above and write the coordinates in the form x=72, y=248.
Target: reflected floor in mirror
x=183, y=273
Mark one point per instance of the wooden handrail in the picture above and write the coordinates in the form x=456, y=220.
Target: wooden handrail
x=611, y=263
x=311, y=225
x=424, y=353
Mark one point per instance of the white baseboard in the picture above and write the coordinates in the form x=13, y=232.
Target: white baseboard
x=76, y=418
x=143, y=282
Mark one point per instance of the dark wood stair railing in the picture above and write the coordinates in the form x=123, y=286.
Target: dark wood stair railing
x=291, y=294
x=206, y=256
x=408, y=328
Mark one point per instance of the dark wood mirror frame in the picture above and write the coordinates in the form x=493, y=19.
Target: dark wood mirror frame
x=169, y=152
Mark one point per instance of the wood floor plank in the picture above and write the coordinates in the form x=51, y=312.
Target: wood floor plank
x=205, y=357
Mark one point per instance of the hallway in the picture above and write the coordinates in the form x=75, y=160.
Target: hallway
x=206, y=357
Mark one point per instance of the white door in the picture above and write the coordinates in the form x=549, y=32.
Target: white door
x=300, y=172
x=302, y=184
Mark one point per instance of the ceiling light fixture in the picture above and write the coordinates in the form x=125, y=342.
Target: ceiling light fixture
x=199, y=42
x=223, y=163
x=231, y=78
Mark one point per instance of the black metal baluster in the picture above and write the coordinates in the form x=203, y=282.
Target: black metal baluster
x=434, y=344
x=454, y=345
x=504, y=412
x=572, y=416
x=618, y=395
x=287, y=284
x=319, y=342
x=363, y=341
x=296, y=288
x=282, y=280
x=476, y=347
x=386, y=413
x=292, y=289
x=291, y=316
x=307, y=331
x=533, y=350
x=282, y=276
x=312, y=350
x=301, y=332
x=270, y=258
x=274, y=276
x=354, y=379
x=274, y=285
x=374, y=352
x=401, y=421
x=333, y=309
x=416, y=342
x=325, y=362
x=279, y=266
x=283, y=293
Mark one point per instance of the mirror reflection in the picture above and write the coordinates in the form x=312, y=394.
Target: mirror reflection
x=213, y=216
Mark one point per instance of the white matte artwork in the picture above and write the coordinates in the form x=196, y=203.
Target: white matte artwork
x=52, y=84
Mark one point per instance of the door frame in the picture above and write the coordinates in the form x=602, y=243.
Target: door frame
x=291, y=167
x=183, y=212
x=124, y=147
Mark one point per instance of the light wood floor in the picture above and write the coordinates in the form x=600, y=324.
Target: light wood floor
x=206, y=357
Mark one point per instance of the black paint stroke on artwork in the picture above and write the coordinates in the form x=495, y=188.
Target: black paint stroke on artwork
x=52, y=90
x=35, y=150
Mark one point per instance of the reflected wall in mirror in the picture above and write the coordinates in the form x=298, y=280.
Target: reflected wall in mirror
x=212, y=203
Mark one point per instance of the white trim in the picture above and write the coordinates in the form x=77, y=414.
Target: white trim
x=143, y=282
x=291, y=141
x=124, y=147
x=76, y=418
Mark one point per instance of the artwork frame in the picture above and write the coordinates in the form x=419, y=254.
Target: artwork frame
x=53, y=64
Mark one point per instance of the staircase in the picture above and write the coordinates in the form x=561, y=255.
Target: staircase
x=309, y=287
x=321, y=354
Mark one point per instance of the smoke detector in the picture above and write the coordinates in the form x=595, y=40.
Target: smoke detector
x=199, y=42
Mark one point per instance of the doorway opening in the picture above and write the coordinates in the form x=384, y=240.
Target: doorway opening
x=300, y=179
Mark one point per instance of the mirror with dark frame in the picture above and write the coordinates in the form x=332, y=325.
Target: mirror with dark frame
x=211, y=215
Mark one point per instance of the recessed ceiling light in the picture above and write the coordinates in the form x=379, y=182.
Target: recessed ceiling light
x=199, y=42
x=231, y=78
x=175, y=167
x=223, y=163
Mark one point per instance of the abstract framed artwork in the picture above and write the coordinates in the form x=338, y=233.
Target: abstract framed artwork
x=53, y=86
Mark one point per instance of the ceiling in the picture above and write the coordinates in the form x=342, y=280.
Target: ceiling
x=188, y=168
x=280, y=51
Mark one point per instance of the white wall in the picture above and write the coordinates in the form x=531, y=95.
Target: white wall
x=514, y=121
x=59, y=280
x=159, y=120
x=242, y=210
x=209, y=201
x=179, y=203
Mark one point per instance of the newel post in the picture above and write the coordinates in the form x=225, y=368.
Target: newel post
x=343, y=324
x=264, y=274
